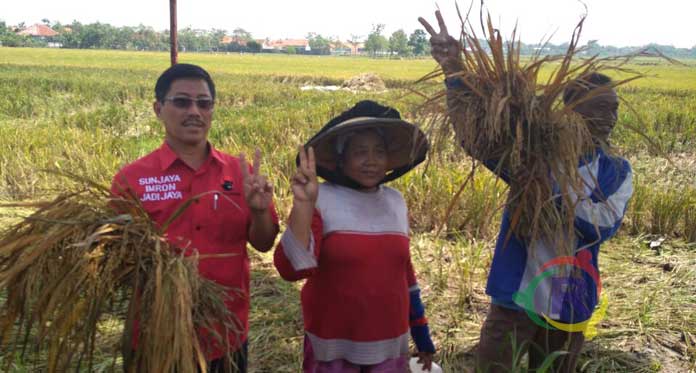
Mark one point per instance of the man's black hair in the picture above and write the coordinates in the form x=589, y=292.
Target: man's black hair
x=181, y=71
x=580, y=86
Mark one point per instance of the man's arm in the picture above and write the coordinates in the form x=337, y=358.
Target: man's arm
x=262, y=230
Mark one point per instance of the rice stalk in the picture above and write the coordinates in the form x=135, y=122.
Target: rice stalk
x=511, y=118
x=66, y=265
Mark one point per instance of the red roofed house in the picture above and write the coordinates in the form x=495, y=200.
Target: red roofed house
x=233, y=39
x=41, y=32
x=38, y=31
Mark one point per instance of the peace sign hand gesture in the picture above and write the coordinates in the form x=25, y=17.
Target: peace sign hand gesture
x=445, y=49
x=258, y=192
x=305, y=187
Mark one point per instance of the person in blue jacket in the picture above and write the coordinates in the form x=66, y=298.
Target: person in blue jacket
x=528, y=281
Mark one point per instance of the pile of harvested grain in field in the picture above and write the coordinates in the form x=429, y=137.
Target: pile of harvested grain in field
x=365, y=82
x=508, y=116
x=66, y=265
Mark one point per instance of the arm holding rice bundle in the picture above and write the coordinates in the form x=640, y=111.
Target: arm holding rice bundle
x=463, y=104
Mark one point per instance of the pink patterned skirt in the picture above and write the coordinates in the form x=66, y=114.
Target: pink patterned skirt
x=311, y=365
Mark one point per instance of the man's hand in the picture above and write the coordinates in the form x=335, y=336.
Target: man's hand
x=305, y=186
x=445, y=49
x=258, y=192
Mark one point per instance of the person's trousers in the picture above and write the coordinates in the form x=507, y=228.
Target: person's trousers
x=507, y=334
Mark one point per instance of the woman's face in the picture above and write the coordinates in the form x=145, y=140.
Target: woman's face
x=365, y=159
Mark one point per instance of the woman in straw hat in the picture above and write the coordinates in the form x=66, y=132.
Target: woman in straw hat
x=349, y=238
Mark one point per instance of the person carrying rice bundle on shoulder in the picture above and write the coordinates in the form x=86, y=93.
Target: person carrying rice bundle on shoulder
x=349, y=238
x=524, y=282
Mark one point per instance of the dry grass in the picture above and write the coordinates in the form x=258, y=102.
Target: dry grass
x=650, y=324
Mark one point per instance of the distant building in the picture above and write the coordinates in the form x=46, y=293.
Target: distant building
x=233, y=40
x=279, y=45
x=41, y=32
x=38, y=31
x=356, y=47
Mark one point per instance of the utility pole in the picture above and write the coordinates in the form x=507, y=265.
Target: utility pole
x=173, y=40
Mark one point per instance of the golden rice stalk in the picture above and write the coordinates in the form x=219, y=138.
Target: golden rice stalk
x=510, y=116
x=63, y=269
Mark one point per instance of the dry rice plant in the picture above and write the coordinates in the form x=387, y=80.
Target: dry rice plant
x=509, y=117
x=65, y=265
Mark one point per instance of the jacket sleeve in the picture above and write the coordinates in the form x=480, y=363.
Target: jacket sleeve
x=459, y=98
x=295, y=262
x=600, y=211
x=417, y=320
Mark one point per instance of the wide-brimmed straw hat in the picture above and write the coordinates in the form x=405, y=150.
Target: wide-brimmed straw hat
x=406, y=144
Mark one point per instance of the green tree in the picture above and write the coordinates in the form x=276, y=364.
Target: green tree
x=398, y=43
x=418, y=41
x=319, y=44
x=253, y=46
x=376, y=42
x=241, y=34
x=9, y=39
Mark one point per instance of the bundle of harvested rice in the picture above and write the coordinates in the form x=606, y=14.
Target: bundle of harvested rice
x=66, y=265
x=509, y=115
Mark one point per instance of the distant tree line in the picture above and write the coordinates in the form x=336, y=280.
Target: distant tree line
x=104, y=36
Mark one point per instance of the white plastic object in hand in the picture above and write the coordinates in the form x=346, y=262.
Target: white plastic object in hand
x=418, y=368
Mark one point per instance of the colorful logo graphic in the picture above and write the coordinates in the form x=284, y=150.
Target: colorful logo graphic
x=573, y=290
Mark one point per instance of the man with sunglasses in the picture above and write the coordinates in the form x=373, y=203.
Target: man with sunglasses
x=232, y=202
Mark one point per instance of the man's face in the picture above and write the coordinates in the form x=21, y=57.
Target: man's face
x=600, y=110
x=185, y=122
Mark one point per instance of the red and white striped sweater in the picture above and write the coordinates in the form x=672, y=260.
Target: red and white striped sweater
x=360, y=280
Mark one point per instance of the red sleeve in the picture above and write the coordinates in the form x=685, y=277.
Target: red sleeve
x=283, y=264
x=120, y=191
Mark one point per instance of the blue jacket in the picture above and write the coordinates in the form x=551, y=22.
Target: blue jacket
x=563, y=296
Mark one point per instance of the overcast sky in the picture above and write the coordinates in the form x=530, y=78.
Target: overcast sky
x=612, y=22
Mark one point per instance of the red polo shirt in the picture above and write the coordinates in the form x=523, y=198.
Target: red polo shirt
x=217, y=223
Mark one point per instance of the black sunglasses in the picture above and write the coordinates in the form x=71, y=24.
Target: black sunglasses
x=182, y=102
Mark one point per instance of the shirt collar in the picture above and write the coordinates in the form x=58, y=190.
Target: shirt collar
x=167, y=156
x=217, y=155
